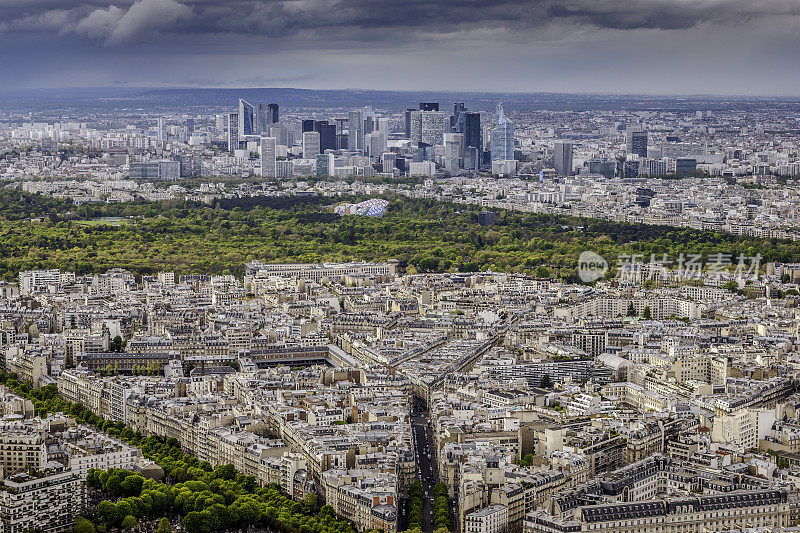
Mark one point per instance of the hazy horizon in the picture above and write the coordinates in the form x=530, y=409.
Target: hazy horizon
x=140, y=89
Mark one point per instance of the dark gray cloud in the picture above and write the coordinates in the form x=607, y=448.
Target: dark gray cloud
x=569, y=45
x=125, y=22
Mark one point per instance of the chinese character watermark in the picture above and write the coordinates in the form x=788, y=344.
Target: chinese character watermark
x=664, y=267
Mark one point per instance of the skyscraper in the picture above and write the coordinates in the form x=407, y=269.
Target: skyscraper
x=327, y=133
x=408, y=121
x=355, y=129
x=369, y=120
x=502, y=137
x=281, y=134
x=453, y=145
x=428, y=127
x=162, y=130
x=310, y=144
x=261, y=120
x=636, y=141
x=341, y=135
x=376, y=143
x=325, y=164
x=272, y=114
x=268, y=157
x=246, y=119
x=562, y=157
x=471, y=128
x=471, y=158
x=307, y=125
x=233, y=132
x=458, y=108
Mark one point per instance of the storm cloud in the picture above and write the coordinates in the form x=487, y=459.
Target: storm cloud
x=588, y=32
x=121, y=23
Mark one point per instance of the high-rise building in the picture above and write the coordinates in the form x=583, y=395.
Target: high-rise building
x=605, y=168
x=162, y=129
x=388, y=161
x=428, y=127
x=453, y=146
x=376, y=143
x=327, y=135
x=630, y=169
x=221, y=122
x=246, y=119
x=369, y=120
x=636, y=141
x=458, y=108
x=502, y=137
x=341, y=133
x=355, y=129
x=562, y=157
x=191, y=164
x=471, y=158
x=272, y=114
x=307, y=125
x=325, y=164
x=281, y=134
x=261, y=120
x=408, y=121
x=471, y=128
x=233, y=132
x=268, y=157
x=310, y=144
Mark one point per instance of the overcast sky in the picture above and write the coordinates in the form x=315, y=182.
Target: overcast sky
x=617, y=46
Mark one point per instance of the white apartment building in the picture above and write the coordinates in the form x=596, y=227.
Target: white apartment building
x=491, y=519
x=48, y=502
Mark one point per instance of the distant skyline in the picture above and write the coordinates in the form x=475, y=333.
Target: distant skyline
x=658, y=47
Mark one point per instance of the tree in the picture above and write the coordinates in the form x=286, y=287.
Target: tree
x=129, y=522
x=631, y=309
x=225, y=471
x=732, y=285
x=124, y=508
x=197, y=522
x=132, y=485
x=311, y=502
x=646, y=312
x=82, y=525
x=116, y=344
x=108, y=512
x=163, y=526
x=546, y=382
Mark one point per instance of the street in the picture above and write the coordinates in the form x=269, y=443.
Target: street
x=426, y=464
